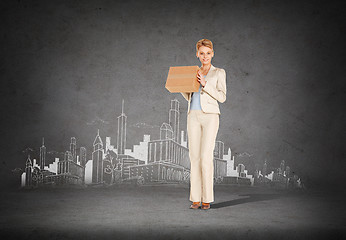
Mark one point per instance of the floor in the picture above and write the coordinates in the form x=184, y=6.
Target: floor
x=162, y=212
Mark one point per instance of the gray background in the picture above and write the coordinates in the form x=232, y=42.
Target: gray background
x=67, y=64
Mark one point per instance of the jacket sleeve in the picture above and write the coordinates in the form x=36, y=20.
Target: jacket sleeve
x=219, y=93
x=186, y=95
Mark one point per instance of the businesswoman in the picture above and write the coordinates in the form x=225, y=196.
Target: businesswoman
x=203, y=124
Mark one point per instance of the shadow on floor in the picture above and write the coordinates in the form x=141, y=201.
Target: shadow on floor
x=251, y=198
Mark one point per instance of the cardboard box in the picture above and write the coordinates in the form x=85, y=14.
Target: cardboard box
x=182, y=79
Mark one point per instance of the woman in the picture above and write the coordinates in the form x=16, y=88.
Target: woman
x=203, y=124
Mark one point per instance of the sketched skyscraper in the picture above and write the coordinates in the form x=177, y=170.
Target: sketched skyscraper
x=97, y=158
x=288, y=171
x=241, y=170
x=282, y=166
x=166, y=131
x=121, y=137
x=219, y=149
x=28, y=172
x=73, y=149
x=264, y=170
x=68, y=157
x=82, y=156
x=220, y=164
x=173, y=119
x=42, y=155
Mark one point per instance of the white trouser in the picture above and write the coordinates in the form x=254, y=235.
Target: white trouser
x=202, y=130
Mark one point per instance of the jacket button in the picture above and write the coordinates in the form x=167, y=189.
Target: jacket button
x=201, y=92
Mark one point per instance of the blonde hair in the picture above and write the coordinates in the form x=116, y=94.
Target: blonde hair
x=204, y=42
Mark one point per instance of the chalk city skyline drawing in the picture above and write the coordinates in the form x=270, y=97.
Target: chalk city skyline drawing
x=161, y=161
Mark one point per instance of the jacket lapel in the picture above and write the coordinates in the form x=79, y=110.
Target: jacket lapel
x=211, y=71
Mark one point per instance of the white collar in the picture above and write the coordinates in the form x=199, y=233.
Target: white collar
x=212, y=68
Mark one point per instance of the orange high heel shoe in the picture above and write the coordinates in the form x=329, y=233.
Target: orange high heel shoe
x=205, y=206
x=195, y=205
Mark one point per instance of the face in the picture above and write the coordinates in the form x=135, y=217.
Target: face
x=205, y=54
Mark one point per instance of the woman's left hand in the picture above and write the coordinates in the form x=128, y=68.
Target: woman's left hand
x=201, y=78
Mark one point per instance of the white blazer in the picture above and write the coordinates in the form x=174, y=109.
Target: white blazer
x=213, y=91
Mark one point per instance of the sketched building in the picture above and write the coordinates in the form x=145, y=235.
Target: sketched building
x=35, y=174
x=173, y=119
x=69, y=172
x=236, y=174
x=140, y=151
x=168, y=159
x=241, y=170
x=42, y=155
x=261, y=176
x=97, y=159
x=73, y=149
x=124, y=160
x=28, y=173
x=121, y=136
x=264, y=168
x=110, y=163
x=82, y=156
x=60, y=172
x=220, y=165
x=280, y=176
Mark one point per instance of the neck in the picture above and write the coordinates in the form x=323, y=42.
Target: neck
x=206, y=66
